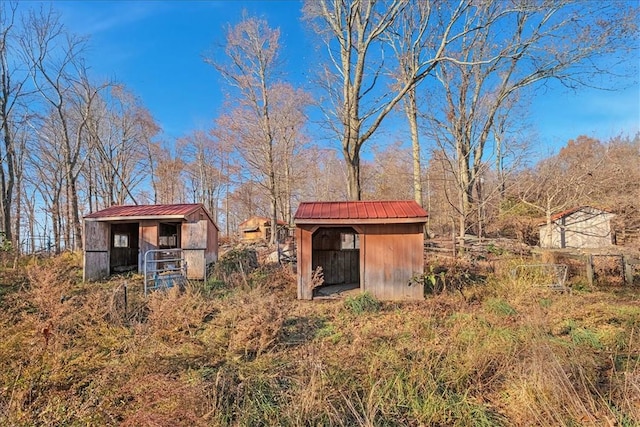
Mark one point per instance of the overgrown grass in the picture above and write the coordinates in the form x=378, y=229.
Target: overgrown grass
x=244, y=351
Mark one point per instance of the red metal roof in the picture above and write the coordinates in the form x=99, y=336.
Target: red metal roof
x=360, y=211
x=568, y=212
x=179, y=210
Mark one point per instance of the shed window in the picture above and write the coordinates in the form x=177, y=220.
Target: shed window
x=120, y=240
x=168, y=240
x=349, y=241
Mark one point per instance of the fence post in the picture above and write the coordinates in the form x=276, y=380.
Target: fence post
x=590, y=269
x=628, y=270
x=125, y=299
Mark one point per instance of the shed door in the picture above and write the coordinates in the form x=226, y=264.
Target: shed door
x=96, y=253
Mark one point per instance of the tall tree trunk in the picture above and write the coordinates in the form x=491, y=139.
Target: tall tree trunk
x=18, y=216
x=354, y=190
x=411, y=110
x=75, y=216
x=7, y=182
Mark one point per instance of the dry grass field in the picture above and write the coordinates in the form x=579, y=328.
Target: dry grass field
x=244, y=352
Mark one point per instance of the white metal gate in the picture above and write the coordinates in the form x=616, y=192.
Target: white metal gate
x=164, y=269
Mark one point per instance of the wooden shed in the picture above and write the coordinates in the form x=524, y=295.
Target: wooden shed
x=117, y=238
x=581, y=227
x=376, y=246
x=259, y=228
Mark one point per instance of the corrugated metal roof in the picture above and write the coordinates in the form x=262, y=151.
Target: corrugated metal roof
x=146, y=211
x=360, y=211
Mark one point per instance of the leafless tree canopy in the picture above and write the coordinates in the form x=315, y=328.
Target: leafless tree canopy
x=453, y=78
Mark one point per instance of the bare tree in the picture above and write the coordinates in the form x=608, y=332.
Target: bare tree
x=117, y=160
x=325, y=175
x=12, y=84
x=387, y=177
x=258, y=132
x=60, y=78
x=46, y=174
x=410, y=39
x=356, y=33
x=565, y=180
x=169, y=171
x=207, y=169
x=291, y=143
x=515, y=45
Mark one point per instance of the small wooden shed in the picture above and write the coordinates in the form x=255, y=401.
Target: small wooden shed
x=116, y=238
x=581, y=227
x=376, y=246
x=259, y=228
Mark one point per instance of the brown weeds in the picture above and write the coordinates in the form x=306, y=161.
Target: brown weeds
x=246, y=352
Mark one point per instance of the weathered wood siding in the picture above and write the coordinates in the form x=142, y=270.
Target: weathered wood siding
x=304, y=257
x=194, y=235
x=257, y=229
x=582, y=229
x=391, y=256
x=195, y=263
x=339, y=267
x=212, y=243
x=194, y=246
x=148, y=240
x=96, y=253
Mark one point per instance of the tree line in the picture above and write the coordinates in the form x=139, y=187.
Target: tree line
x=454, y=78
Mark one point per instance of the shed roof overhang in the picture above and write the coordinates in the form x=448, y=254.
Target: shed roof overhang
x=133, y=213
x=137, y=218
x=360, y=212
x=347, y=222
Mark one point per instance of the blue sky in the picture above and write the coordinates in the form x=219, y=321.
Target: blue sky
x=156, y=49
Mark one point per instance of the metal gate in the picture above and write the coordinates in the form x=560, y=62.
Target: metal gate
x=164, y=269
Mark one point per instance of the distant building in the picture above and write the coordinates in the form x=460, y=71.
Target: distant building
x=117, y=238
x=259, y=228
x=581, y=227
x=374, y=246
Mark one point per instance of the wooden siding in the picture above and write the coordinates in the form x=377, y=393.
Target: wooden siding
x=196, y=232
x=96, y=256
x=195, y=263
x=148, y=240
x=339, y=267
x=583, y=228
x=194, y=235
x=392, y=255
x=389, y=256
x=211, y=253
x=303, y=253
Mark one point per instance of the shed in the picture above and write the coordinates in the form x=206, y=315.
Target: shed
x=116, y=238
x=259, y=228
x=376, y=246
x=580, y=227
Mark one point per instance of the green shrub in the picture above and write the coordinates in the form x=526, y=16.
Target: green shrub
x=362, y=303
x=500, y=307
